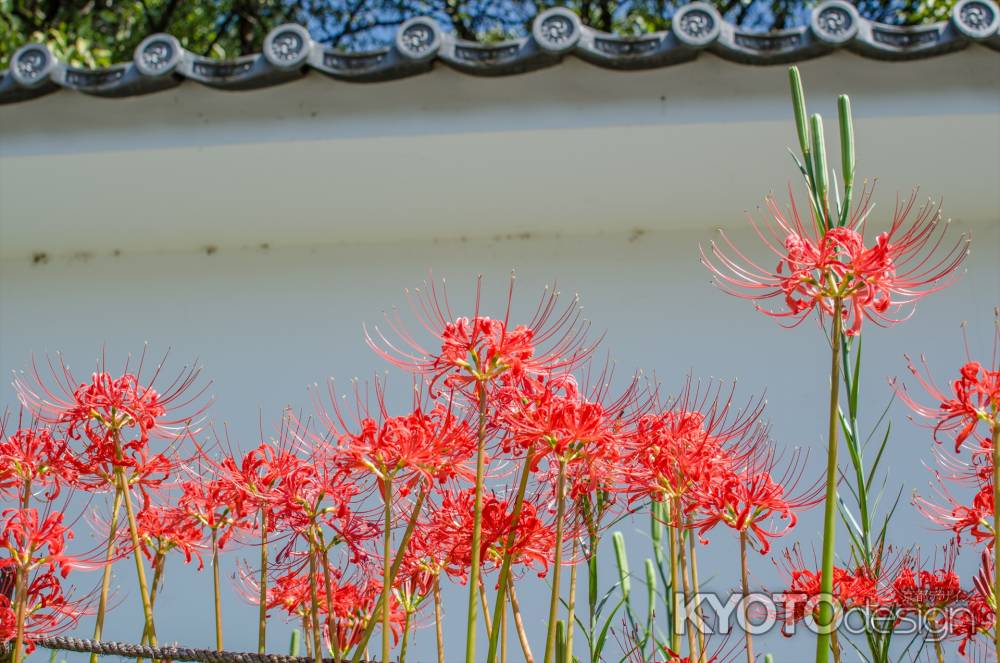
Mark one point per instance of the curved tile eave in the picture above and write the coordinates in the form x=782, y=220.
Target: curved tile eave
x=160, y=62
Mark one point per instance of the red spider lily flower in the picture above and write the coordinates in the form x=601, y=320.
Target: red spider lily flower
x=979, y=616
x=533, y=542
x=349, y=606
x=881, y=281
x=115, y=417
x=436, y=545
x=210, y=503
x=480, y=349
x=165, y=528
x=753, y=501
x=428, y=445
x=34, y=542
x=583, y=428
x=851, y=589
x=108, y=403
x=449, y=529
x=48, y=612
x=971, y=403
x=691, y=440
x=315, y=494
x=975, y=519
x=252, y=481
x=923, y=591
x=34, y=457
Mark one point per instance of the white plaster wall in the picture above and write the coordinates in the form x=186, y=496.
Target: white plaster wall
x=570, y=149
x=266, y=323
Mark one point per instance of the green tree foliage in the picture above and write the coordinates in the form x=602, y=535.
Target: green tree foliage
x=93, y=33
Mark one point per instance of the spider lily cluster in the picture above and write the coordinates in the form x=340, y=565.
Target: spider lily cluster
x=513, y=458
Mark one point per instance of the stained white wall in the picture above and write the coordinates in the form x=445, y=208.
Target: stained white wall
x=571, y=149
x=597, y=183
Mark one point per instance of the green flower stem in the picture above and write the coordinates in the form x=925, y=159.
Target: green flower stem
x=498, y=609
x=503, y=637
x=383, y=596
x=438, y=631
x=317, y=636
x=406, y=638
x=696, y=589
x=685, y=581
x=571, y=608
x=331, y=629
x=675, y=635
x=20, y=599
x=486, y=611
x=262, y=599
x=744, y=577
x=102, y=603
x=825, y=617
x=522, y=636
x=306, y=636
x=21, y=587
x=140, y=572
x=386, y=570
x=550, y=637
x=158, y=561
x=650, y=608
x=592, y=601
x=215, y=589
x=477, y=530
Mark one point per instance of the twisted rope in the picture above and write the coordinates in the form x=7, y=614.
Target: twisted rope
x=168, y=653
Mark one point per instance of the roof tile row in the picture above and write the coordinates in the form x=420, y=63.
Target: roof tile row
x=161, y=62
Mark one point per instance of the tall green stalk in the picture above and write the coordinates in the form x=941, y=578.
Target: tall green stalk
x=317, y=636
x=592, y=602
x=515, y=608
x=438, y=631
x=331, y=628
x=674, y=612
x=396, y=563
x=477, y=530
x=825, y=617
x=20, y=598
x=550, y=637
x=21, y=588
x=147, y=609
x=216, y=590
x=745, y=581
x=696, y=591
x=685, y=581
x=386, y=570
x=262, y=599
x=102, y=603
x=158, y=561
x=571, y=607
x=406, y=638
x=499, y=607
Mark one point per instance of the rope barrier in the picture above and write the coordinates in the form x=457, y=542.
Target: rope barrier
x=168, y=653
